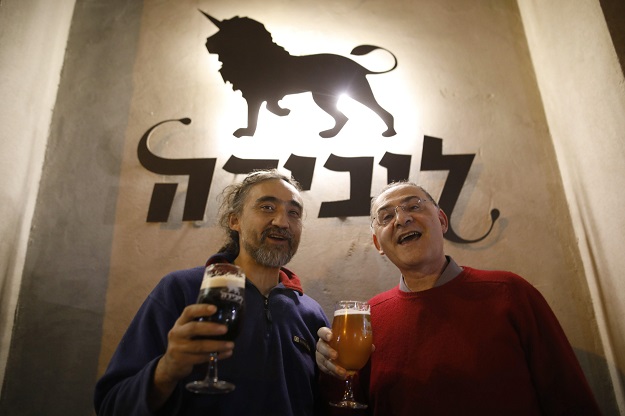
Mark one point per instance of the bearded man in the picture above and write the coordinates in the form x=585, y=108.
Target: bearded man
x=271, y=362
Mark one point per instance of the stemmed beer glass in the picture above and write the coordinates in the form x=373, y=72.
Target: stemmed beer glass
x=351, y=338
x=223, y=285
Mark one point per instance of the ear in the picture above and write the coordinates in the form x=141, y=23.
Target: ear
x=377, y=245
x=234, y=223
x=442, y=217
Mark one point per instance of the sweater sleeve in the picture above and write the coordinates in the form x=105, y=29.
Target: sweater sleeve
x=559, y=380
x=123, y=389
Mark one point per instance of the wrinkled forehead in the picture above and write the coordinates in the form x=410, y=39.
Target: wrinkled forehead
x=395, y=196
x=275, y=189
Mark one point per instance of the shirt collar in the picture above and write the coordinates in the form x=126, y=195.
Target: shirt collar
x=449, y=273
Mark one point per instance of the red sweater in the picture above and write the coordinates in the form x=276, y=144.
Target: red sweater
x=485, y=343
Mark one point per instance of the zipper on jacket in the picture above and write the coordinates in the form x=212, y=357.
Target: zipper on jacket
x=267, y=311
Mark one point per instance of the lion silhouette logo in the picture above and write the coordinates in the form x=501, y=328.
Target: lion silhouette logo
x=265, y=72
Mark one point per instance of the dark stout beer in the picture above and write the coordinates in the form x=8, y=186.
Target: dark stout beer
x=227, y=293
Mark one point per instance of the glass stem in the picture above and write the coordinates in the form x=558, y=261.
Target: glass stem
x=348, y=395
x=211, y=375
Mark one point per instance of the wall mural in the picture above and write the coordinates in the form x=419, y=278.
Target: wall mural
x=264, y=72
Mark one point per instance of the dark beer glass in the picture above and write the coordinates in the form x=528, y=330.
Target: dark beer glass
x=223, y=286
x=352, y=339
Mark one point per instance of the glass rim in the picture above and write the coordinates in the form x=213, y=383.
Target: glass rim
x=222, y=268
x=352, y=304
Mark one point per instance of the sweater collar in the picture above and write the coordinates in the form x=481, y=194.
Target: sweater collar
x=287, y=277
x=449, y=273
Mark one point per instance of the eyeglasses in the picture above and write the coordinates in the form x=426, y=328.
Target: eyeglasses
x=384, y=216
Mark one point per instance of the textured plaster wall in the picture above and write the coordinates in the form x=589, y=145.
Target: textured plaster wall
x=57, y=329
x=583, y=91
x=466, y=75
x=33, y=36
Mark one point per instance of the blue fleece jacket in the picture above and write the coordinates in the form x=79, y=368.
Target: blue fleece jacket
x=273, y=363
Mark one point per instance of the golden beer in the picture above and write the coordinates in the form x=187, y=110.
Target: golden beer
x=351, y=335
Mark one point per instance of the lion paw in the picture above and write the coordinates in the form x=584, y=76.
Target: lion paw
x=389, y=133
x=244, y=132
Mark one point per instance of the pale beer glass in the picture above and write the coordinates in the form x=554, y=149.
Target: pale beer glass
x=352, y=340
x=223, y=285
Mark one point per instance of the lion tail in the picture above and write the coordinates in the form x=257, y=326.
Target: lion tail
x=365, y=49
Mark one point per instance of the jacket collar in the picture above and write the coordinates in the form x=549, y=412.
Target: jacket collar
x=287, y=277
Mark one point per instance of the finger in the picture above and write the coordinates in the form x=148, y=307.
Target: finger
x=204, y=357
x=185, y=331
x=195, y=311
x=329, y=367
x=325, y=333
x=322, y=363
x=225, y=354
x=324, y=349
x=199, y=329
x=179, y=359
x=207, y=346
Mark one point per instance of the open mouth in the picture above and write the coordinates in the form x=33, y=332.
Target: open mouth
x=412, y=236
x=276, y=235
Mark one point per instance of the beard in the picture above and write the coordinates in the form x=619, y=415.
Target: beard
x=270, y=255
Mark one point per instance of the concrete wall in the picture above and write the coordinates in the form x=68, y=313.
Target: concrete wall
x=57, y=328
x=33, y=37
x=467, y=74
x=583, y=92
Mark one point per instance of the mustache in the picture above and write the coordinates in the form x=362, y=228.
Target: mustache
x=280, y=232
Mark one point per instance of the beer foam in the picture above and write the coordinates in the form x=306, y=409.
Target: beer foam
x=350, y=312
x=226, y=280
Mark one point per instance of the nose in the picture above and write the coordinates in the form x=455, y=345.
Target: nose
x=280, y=218
x=401, y=216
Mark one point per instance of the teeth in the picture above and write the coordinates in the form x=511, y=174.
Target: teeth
x=407, y=236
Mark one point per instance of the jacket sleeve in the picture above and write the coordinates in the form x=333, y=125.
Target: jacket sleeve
x=123, y=389
x=559, y=380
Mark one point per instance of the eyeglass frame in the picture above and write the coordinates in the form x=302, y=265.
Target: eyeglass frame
x=404, y=207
